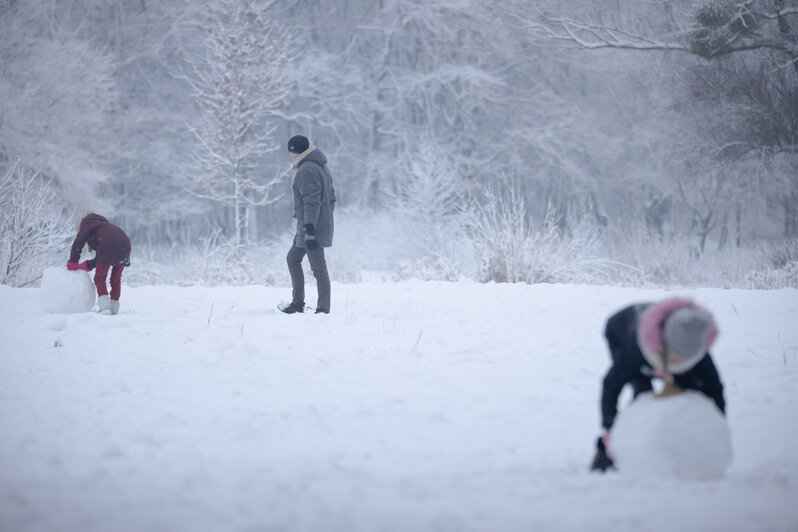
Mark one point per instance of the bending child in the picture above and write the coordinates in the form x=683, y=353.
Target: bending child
x=112, y=247
x=669, y=340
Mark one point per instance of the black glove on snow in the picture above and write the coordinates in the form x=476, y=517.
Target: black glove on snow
x=310, y=237
x=602, y=461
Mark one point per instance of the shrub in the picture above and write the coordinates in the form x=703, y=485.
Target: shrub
x=509, y=249
x=33, y=231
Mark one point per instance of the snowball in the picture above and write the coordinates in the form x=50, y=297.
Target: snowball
x=66, y=292
x=681, y=436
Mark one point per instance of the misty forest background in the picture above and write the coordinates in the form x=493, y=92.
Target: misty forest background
x=592, y=141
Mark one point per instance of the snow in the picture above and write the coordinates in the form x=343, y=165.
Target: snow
x=413, y=406
x=682, y=437
x=66, y=292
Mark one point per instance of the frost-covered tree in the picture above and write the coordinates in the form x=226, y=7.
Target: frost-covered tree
x=707, y=28
x=57, y=96
x=431, y=190
x=98, y=92
x=735, y=100
x=88, y=92
x=33, y=225
x=743, y=137
x=149, y=41
x=239, y=83
x=428, y=199
x=394, y=73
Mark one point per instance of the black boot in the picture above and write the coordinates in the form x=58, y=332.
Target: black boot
x=292, y=308
x=601, y=461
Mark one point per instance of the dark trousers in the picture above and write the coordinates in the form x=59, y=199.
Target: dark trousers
x=319, y=267
x=100, y=275
x=641, y=384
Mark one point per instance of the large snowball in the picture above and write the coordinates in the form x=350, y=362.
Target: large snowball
x=681, y=436
x=66, y=292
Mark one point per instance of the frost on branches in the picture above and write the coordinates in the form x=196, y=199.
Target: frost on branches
x=31, y=228
x=240, y=85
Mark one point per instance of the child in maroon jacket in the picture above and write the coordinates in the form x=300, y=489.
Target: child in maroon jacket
x=112, y=247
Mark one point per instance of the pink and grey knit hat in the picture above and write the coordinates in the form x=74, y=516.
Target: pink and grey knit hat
x=674, y=334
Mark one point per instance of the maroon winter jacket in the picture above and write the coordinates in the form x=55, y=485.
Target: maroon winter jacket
x=110, y=242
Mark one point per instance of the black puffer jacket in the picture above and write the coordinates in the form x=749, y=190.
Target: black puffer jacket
x=629, y=366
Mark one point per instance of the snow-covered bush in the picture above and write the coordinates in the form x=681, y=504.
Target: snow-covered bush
x=392, y=244
x=500, y=235
x=653, y=258
x=368, y=244
x=785, y=254
x=509, y=249
x=575, y=258
x=669, y=261
x=226, y=262
x=771, y=278
x=389, y=245
x=211, y=261
x=33, y=229
x=780, y=271
x=447, y=263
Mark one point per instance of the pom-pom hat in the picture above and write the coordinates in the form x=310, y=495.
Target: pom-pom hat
x=674, y=334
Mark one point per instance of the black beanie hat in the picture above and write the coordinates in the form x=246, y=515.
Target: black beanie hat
x=298, y=144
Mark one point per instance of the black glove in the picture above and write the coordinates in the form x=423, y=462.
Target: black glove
x=602, y=461
x=310, y=237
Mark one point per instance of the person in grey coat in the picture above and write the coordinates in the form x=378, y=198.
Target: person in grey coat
x=314, y=203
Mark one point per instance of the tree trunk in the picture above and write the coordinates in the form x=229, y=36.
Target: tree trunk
x=791, y=216
x=724, y=231
x=237, y=214
x=738, y=228
x=252, y=223
x=703, y=225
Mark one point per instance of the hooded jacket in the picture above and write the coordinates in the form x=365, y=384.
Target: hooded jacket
x=629, y=365
x=110, y=242
x=314, y=197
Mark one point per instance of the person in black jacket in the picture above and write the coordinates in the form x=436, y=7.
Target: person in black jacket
x=668, y=340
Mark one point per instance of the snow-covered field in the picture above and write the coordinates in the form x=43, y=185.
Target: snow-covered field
x=413, y=406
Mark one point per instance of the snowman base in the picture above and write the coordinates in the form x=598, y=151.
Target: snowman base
x=66, y=292
x=679, y=436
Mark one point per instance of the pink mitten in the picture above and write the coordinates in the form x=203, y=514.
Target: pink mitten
x=72, y=266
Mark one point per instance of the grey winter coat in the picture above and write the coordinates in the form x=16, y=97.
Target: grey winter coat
x=314, y=197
